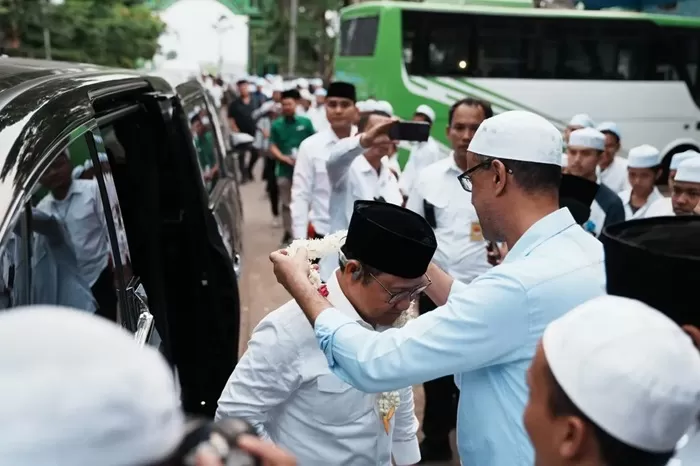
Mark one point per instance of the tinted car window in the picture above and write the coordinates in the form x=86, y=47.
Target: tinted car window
x=204, y=138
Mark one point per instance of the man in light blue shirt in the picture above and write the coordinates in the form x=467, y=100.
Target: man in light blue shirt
x=485, y=332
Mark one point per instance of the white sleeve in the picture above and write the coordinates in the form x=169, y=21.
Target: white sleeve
x=302, y=188
x=415, y=199
x=264, y=378
x=404, y=441
x=340, y=158
x=408, y=176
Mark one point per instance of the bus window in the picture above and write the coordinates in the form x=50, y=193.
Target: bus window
x=358, y=36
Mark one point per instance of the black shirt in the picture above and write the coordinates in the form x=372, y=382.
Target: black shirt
x=242, y=114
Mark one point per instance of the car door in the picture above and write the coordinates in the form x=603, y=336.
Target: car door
x=224, y=195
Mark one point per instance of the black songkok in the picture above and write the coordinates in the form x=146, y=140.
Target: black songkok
x=342, y=89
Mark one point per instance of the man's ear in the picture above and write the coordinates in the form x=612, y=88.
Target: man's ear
x=354, y=268
x=500, y=176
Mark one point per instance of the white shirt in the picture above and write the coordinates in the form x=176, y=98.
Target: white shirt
x=615, y=176
x=282, y=385
x=641, y=212
x=461, y=250
x=81, y=212
x=660, y=208
x=311, y=189
x=422, y=155
x=318, y=118
x=393, y=163
x=352, y=179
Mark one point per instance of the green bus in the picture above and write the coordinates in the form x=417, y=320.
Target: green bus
x=639, y=70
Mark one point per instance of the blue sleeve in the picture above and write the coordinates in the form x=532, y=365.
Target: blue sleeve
x=482, y=324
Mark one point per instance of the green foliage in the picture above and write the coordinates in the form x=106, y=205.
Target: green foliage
x=104, y=32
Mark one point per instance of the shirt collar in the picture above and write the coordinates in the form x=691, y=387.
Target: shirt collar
x=75, y=188
x=338, y=299
x=626, y=196
x=334, y=137
x=453, y=165
x=541, y=231
x=365, y=167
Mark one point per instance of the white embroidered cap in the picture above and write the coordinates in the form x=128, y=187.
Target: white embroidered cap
x=611, y=127
x=587, y=138
x=320, y=92
x=518, y=135
x=681, y=156
x=644, y=156
x=384, y=106
x=427, y=111
x=371, y=105
x=302, y=83
x=689, y=171
x=361, y=106
x=629, y=368
x=317, y=82
x=582, y=120
x=78, y=390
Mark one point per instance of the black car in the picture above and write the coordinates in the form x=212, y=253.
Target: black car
x=103, y=208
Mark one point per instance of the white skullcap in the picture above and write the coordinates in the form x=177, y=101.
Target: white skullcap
x=611, y=127
x=587, y=138
x=427, y=111
x=644, y=156
x=582, y=120
x=384, y=106
x=361, y=105
x=278, y=87
x=689, y=170
x=78, y=390
x=371, y=105
x=627, y=367
x=317, y=82
x=681, y=156
x=78, y=172
x=303, y=83
x=88, y=164
x=564, y=160
x=306, y=95
x=320, y=92
x=518, y=135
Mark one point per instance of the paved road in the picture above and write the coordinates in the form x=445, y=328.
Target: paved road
x=260, y=293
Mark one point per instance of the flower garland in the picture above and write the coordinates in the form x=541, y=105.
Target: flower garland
x=387, y=402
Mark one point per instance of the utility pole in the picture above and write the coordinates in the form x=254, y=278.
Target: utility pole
x=293, y=15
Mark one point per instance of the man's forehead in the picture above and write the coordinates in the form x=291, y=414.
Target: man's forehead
x=687, y=185
x=469, y=113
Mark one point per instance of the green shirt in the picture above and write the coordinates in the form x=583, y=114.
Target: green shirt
x=287, y=135
x=205, y=150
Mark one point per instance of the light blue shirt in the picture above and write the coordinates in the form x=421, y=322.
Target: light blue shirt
x=486, y=334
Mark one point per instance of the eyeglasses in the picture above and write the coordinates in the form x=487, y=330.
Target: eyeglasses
x=402, y=295
x=465, y=179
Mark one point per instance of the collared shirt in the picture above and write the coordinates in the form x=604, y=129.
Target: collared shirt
x=311, y=189
x=318, y=117
x=630, y=214
x=422, y=154
x=606, y=209
x=615, y=176
x=283, y=387
x=660, y=208
x=287, y=134
x=486, y=334
x=439, y=198
x=353, y=178
x=82, y=214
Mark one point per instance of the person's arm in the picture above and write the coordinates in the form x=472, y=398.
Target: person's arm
x=232, y=118
x=302, y=189
x=266, y=375
x=616, y=212
x=274, y=149
x=408, y=176
x=341, y=156
x=404, y=439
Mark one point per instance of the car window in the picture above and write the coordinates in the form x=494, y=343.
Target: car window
x=205, y=139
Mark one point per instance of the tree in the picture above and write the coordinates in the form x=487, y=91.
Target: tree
x=104, y=32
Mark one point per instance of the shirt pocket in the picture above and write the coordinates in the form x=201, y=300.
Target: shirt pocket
x=338, y=403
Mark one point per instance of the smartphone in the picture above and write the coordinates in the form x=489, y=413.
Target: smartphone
x=410, y=131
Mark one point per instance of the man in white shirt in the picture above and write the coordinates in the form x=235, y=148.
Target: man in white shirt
x=310, y=185
x=612, y=168
x=643, y=171
x=422, y=154
x=664, y=206
x=584, y=150
x=283, y=386
x=685, y=194
x=317, y=113
x=439, y=198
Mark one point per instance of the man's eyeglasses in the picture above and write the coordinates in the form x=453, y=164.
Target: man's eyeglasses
x=402, y=295
x=465, y=179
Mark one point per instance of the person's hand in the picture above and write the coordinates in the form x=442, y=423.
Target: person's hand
x=269, y=453
x=694, y=333
x=377, y=134
x=288, y=160
x=288, y=268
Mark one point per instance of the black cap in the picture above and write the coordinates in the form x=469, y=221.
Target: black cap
x=291, y=94
x=577, y=194
x=656, y=261
x=390, y=238
x=341, y=89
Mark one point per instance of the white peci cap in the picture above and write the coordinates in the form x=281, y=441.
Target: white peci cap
x=306, y=95
x=320, y=92
x=628, y=368
x=77, y=172
x=302, y=83
x=371, y=105
x=518, y=135
x=611, y=127
x=587, y=138
x=582, y=120
x=361, y=105
x=644, y=156
x=689, y=171
x=427, y=111
x=317, y=82
x=77, y=390
x=681, y=156
x=384, y=106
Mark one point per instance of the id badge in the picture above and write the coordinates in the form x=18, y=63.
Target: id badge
x=475, y=233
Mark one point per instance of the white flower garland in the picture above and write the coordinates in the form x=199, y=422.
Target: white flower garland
x=387, y=402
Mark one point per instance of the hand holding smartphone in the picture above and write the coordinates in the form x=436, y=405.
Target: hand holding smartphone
x=418, y=131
